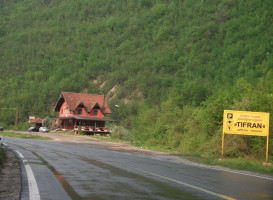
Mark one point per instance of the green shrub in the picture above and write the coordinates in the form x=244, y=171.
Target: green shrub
x=124, y=134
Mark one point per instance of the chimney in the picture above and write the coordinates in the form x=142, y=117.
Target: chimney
x=103, y=106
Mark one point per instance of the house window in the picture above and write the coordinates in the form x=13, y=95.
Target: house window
x=95, y=112
x=79, y=111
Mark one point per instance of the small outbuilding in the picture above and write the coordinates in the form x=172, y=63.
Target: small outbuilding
x=36, y=122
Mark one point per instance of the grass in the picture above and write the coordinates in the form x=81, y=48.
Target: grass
x=25, y=136
x=245, y=164
x=106, y=138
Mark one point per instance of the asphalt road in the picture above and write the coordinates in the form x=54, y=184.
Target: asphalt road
x=90, y=170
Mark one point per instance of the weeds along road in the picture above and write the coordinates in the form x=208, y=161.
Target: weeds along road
x=93, y=169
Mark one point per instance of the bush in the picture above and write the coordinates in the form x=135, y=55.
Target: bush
x=124, y=134
x=47, y=122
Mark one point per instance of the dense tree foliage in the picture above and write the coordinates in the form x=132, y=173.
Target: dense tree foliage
x=174, y=65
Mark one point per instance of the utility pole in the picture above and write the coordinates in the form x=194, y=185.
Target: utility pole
x=117, y=106
x=16, y=119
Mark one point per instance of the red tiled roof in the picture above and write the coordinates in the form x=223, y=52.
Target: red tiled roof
x=89, y=101
x=36, y=121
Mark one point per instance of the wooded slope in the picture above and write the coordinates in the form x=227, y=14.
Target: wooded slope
x=173, y=66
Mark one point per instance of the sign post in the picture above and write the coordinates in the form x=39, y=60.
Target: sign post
x=267, y=144
x=246, y=123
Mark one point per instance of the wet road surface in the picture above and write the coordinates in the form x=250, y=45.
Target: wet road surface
x=65, y=170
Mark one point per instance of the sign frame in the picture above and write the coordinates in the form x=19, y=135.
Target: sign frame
x=246, y=123
x=31, y=117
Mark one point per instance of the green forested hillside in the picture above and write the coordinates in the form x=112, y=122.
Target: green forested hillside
x=172, y=65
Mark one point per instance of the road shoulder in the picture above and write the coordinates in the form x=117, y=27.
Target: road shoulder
x=10, y=176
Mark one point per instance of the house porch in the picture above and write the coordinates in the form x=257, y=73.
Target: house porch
x=85, y=124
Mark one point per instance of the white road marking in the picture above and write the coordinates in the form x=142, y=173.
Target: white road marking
x=32, y=184
x=216, y=168
x=185, y=184
x=5, y=144
x=229, y=170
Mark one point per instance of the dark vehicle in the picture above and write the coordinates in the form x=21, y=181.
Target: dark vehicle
x=1, y=128
x=33, y=129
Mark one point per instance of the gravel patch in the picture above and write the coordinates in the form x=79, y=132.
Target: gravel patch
x=10, y=177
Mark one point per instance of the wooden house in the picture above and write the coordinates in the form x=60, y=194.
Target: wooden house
x=83, y=112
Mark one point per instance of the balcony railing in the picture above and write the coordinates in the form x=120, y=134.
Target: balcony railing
x=91, y=129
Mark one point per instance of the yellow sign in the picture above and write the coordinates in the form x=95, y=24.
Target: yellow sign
x=246, y=123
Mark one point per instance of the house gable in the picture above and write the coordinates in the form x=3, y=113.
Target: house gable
x=90, y=105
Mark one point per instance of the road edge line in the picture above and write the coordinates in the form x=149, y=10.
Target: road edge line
x=185, y=184
x=32, y=184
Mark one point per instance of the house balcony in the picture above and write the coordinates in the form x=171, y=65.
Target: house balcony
x=91, y=130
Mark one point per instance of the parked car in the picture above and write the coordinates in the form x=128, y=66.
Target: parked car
x=1, y=128
x=43, y=129
x=33, y=129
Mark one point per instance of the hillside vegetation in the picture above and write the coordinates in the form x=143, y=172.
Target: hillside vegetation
x=173, y=66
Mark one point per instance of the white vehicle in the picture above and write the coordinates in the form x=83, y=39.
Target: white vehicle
x=43, y=129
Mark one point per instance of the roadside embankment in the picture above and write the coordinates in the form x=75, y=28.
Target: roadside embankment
x=10, y=176
x=2, y=157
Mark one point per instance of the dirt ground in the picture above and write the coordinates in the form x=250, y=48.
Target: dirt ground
x=117, y=146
